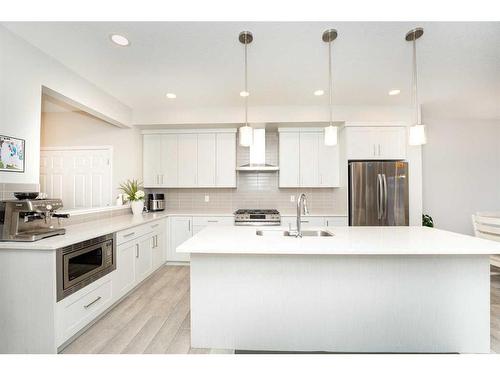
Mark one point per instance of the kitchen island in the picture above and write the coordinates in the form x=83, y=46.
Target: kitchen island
x=364, y=289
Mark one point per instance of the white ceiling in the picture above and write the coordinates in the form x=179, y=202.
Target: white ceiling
x=459, y=63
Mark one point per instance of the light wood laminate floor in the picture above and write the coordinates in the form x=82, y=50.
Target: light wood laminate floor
x=154, y=318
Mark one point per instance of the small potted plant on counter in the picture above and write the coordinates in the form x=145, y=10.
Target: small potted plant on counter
x=132, y=192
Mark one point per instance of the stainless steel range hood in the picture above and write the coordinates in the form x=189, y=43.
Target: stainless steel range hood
x=258, y=154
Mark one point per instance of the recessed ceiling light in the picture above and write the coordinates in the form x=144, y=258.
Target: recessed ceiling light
x=171, y=95
x=244, y=93
x=394, y=92
x=319, y=92
x=119, y=40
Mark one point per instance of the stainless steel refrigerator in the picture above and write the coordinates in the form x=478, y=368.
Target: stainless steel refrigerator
x=378, y=193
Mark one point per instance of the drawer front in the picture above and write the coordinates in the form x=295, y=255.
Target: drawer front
x=135, y=232
x=336, y=221
x=212, y=220
x=78, y=313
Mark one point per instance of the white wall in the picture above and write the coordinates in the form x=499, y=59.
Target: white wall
x=23, y=71
x=461, y=170
x=81, y=129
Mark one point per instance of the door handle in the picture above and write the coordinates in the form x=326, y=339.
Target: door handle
x=137, y=250
x=379, y=149
x=379, y=196
x=374, y=150
x=189, y=225
x=162, y=179
x=384, y=181
x=91, y=303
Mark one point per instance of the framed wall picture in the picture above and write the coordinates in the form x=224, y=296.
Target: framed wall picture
x=11, y=154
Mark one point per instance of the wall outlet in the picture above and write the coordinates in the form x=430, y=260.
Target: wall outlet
x=292, y=198
x=207, y=198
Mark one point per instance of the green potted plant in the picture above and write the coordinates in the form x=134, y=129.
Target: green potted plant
x=132, y=192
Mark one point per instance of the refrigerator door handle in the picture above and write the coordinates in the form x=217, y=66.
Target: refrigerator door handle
x=384, y=181
x=379, y=196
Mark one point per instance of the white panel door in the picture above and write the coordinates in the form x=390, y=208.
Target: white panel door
x=188, y=160
x=328, y=164
x=206, y=160
x=391, y=142
x=169, y=160
x=361, y=143
x=143, y=258
x=124, y=275
x=80, y=177
x=289, y=157
x=151, y=160
x=225, y=160
x=181, y=229
x=309, y=176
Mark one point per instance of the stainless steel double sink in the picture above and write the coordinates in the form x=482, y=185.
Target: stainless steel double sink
x=287, y=233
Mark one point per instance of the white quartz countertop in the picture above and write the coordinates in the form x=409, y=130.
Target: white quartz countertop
x=84, y=231
x=346, y=241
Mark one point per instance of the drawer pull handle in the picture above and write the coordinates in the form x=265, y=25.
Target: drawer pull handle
x=304, y=221
x=129, y=234
x=154, y=226
x=91, y=303
x=212, y=221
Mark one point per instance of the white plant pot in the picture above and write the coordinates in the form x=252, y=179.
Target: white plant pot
x=137, y=207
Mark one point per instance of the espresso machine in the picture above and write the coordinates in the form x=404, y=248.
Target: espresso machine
x=156, y=202
x=29, y=219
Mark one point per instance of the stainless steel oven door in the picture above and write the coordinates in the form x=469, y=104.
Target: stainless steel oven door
x=81, y=264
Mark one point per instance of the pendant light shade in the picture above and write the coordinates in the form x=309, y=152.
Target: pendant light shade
x=245, y=136
x=246, y=132
x=331, y=138
x=331, y=135
x=416, y=136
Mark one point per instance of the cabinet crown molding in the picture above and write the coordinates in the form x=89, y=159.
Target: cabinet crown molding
x=189, y=131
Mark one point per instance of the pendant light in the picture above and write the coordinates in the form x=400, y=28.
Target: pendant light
x=330, y=131
x=417, y=130
x=246, y=132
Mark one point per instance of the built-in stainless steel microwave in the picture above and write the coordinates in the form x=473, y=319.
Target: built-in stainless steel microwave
x=80, y=264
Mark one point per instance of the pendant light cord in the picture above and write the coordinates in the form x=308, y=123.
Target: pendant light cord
x=246, y=85
x=415, y=81
x=330, y=84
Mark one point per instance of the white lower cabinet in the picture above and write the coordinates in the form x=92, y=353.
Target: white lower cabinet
x=181, y=229
x=124, y=275
x=143, y=258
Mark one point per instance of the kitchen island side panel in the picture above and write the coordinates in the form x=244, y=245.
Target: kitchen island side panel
x=339, y=303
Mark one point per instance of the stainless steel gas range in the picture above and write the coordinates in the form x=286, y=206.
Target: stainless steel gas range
x=257, y=217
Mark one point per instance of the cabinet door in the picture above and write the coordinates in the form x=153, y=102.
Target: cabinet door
x=206, y=160
x=328, y=164
x=289, y=156
x=361, y=143
x=158, y=249
x=309, y=176
x=169, y=160
x=391, y=142
x=188, y=160
x=143, y=258
x=226, y=160
x=124, y=275
x=181, y=229
x=151, y=160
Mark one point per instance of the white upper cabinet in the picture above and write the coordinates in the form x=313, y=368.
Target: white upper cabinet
x=376, y=142
x=190, y=158
x=168, y=161
x=206, y=160
x=151, y=163
x=289, y=144
x=305, y=161
x=225, y=168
